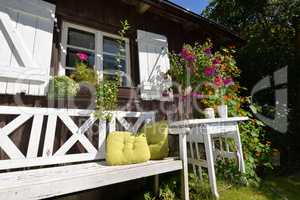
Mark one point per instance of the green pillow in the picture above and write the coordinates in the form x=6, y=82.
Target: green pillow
x=157, y=138
x=124, y=148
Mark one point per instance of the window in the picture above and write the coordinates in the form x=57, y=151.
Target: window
x=79, y=42
x=106, y=53
x=114, y=57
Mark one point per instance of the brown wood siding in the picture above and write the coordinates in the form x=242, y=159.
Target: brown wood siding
x=106, y=16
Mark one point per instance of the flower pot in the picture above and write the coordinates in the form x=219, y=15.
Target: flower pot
x=209, y=113
x=222, y=111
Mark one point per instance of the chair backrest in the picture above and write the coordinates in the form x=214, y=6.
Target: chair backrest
x=31, y=136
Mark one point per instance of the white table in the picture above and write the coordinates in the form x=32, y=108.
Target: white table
x=203, y=131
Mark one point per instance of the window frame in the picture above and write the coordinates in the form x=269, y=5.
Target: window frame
x=99, y=48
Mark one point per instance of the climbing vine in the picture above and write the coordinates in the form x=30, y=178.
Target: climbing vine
x=107, y=89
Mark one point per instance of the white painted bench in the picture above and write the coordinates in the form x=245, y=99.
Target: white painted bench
x=64, y=172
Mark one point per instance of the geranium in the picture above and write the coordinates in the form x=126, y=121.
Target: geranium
x=82, y=56
x=209, y=71
x=187, y=55
x=207, y=51
x=217, y=61
x=218, y=81
x=197, y=95
x=228, y=81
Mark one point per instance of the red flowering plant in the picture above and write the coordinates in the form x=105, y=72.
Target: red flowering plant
x=204, y=74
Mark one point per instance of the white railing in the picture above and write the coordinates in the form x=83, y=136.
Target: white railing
x=41, y=148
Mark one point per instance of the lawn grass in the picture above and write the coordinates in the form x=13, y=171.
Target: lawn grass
x=273, y=188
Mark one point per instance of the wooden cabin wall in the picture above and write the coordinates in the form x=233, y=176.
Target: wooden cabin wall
x=106, y=16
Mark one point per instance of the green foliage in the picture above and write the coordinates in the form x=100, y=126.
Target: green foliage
x=148, y=196
x=167, y=192
x=268, y=28
x=227, y=169
x=199, y=189
x=273, y=188
x=125, y=28
x=106, y=97
x=170, y=189
x=256, y=150
x=208, y=74
x=189, y=69
x=83, y=73
x=107, y=90
x=63, y=86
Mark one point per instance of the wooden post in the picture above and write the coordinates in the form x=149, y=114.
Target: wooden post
x=156, y=185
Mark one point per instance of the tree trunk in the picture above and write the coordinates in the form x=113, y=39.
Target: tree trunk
x=294, y=108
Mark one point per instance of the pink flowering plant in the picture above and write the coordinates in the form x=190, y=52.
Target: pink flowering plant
x=82, y=57
x=211, y=77
x=206, y=74
x=83, y=72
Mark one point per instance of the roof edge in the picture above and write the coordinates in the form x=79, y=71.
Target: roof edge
x=198, y=16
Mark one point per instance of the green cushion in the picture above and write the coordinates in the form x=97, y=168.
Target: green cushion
x=123, y=148
x=157, y=138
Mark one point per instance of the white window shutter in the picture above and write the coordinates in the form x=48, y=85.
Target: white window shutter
x=26, y=33
x=154, y=63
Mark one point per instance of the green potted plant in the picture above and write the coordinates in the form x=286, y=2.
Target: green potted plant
x=62, y=86
x=83, y=72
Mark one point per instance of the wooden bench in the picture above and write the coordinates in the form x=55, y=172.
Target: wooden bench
x=61, y=170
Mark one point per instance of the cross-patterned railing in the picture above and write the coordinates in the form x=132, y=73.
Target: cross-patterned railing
x=81, y=127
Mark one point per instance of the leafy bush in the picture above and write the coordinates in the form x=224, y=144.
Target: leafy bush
x=199, y=189
x=63, y=86
x=148, y=196
x=228, y=170
x=170, y=189
x=167, y=193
